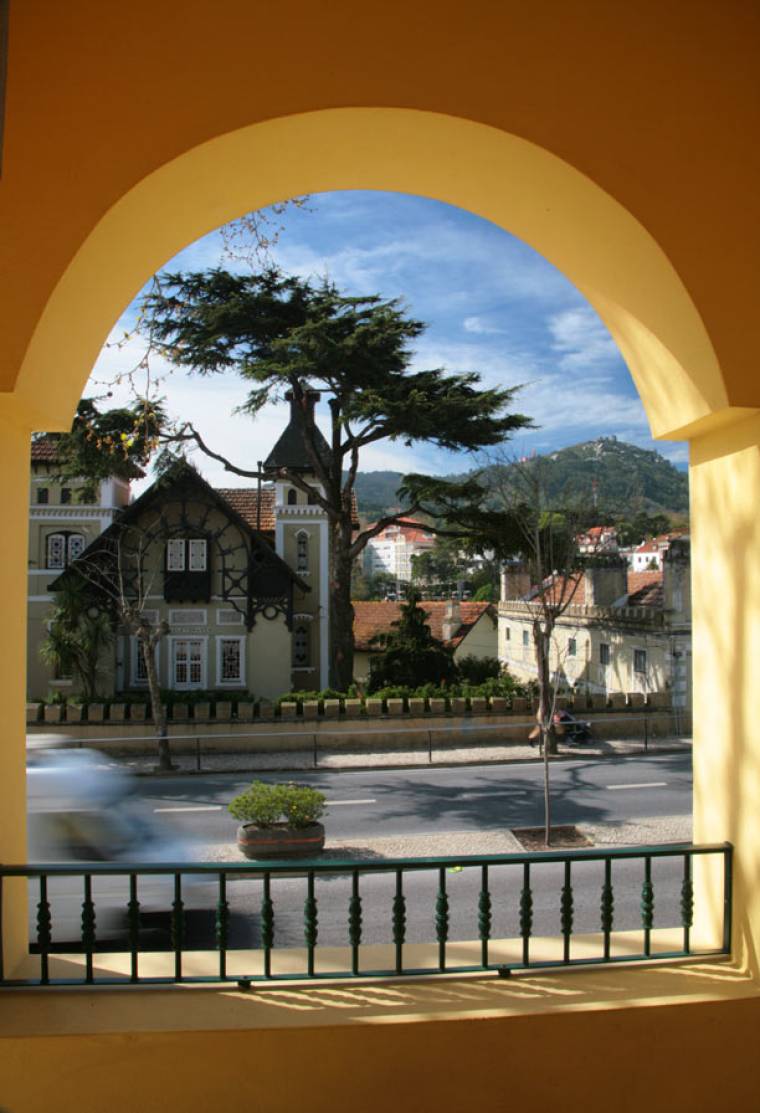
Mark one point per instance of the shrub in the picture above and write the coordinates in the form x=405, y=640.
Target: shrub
x=476, y=670
x=266, y=805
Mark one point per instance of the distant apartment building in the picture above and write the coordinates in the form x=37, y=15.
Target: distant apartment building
x=624, y=631
x=392, y=549
x=598, y=539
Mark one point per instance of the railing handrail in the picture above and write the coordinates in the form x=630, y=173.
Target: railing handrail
x=338, y=865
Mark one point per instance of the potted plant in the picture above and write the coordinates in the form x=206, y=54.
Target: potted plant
x=279, y=820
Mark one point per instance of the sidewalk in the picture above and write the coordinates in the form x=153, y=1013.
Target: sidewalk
x=307, y=760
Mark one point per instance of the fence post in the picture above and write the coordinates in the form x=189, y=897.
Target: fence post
x=316, y=759
x=197, y=755
x=646, y=733
x=430, y=747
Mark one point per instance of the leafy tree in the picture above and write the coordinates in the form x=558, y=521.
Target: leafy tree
x=79, y=635
x=282, y=334
x=485, y=594
x=476, y=670
x=410, y=654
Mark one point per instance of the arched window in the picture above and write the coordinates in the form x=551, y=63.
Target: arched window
x=302, y=552
x=64, y=548
x=292, y=497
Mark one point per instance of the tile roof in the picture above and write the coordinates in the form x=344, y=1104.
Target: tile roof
x=245, y=501
x=45, y=449
x=644, y=589
x=408, y=529
x=373, y=618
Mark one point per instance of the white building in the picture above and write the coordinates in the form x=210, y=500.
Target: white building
x=392, y=549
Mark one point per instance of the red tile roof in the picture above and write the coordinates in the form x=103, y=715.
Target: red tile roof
x=245, y=501
x=45, y=449
x=408, y=528
x=644, y=589
x=373, y=618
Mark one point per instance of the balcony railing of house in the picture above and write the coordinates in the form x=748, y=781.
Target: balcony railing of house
x=442, y=902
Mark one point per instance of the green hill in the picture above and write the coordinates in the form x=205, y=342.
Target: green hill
x=620, y=476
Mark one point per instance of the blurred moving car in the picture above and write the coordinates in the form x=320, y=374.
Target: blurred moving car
x=81, y=809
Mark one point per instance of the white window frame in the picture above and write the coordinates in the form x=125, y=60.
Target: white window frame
x=197, y=554
x=175, y=554
x=60, y=537
x=134, y=658
x=74, y=537
x=572, y=647
x=235, y=619
x=640, y=672
x=179, y=616
x=203, y=683
x=220, y=681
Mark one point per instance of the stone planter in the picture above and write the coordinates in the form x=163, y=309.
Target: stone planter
x=519, y=705
x=32, y=712
x=658, y=699
x=117, y=712
x=598, y=701
x=138, y=712
x=498, y=705
x=180, y=712
x=74, y=712
x=245, y=711
x=617, y=700
x=53, y=712
x=395, y=706
x=374, y=707
x=416, y=707
x=635, y=699
x=478, y=705
x=202, y=712
x=311, y=709
x=332, y=708
x=223, y=710
x=95, y=712
x=288, y=710
x=353, y=708
x=437, y=706
x=280, y=841
x=458, y=705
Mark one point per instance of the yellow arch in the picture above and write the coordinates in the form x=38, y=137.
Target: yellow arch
x=534, y=194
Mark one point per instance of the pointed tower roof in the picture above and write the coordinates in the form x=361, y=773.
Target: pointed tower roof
x=290, y=450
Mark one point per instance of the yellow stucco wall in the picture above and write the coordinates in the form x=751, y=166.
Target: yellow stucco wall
x=625, y=150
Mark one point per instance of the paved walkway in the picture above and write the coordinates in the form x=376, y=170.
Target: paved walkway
x=299, y=760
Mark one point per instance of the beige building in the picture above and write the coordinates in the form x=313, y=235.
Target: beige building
x=624, y=631
x=393, y=549
x=64, y=519
x=469, y=629
x=239, y=576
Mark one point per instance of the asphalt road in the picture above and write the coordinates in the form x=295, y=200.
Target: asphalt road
x=397, y=802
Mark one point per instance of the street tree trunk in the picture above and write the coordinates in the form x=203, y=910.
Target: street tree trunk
x=542, y=631
x=341, y=611
x=148, y=645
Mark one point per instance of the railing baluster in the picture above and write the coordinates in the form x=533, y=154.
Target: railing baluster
x=311, y=923
x=607, y=906
x=44, y=937
x=399, y=921
x=526, y=914
x=687, y=903
x=647, y=905
x=267, y=925
x=88, y=927
x=566, y=912
x=178, y=926
x=133, y=921
x=355, y=921
x=442, y=918
x=222, y=924
x=484, y=916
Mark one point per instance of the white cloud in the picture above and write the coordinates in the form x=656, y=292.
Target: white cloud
x=480, y=326
x=582, y=339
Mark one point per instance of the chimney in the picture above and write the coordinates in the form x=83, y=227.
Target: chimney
x=452, y=619
x=515, y=582
x=605, y=580
x=311, y=397
x=676, y=579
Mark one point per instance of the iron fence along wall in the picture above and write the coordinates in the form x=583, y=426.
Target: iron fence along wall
x=267, y=877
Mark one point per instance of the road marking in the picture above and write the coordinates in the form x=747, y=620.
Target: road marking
x=192, y=808
x=337, y=803
x=649, y=784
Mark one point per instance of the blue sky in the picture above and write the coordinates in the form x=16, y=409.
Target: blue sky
x=491, y=303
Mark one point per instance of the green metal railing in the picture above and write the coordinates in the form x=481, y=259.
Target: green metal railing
x=505, y=879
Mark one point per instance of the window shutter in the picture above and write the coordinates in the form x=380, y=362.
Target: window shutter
x=197, y=555
x=175, y=555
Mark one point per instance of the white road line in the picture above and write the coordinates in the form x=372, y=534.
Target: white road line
x=192, y=808
x=337, y=803
x=649, y=784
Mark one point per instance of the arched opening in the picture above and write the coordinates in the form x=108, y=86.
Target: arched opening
x=585, y=232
